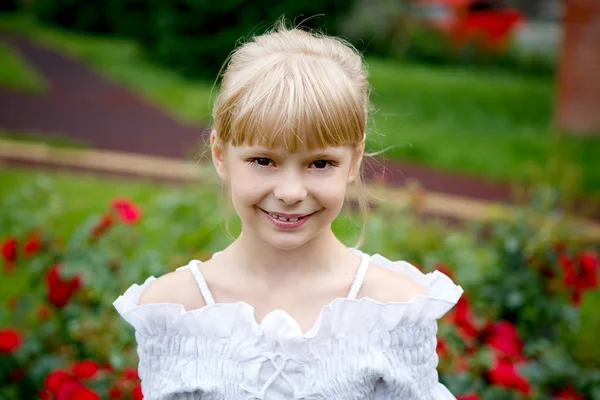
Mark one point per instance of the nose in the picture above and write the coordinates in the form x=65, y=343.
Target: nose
x=290, y=189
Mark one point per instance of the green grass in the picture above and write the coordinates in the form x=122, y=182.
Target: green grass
x=480, y=122
x=122, y=61
x=55, y=140
x=16, y=74
x=83, y=194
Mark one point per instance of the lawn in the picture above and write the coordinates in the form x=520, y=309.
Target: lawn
x=479, y=122
x=16, y=74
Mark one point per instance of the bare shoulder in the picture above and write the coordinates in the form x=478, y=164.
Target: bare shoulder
x=178, y=287
x=385, y=285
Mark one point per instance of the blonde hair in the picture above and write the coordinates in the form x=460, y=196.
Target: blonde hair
x=295, y=89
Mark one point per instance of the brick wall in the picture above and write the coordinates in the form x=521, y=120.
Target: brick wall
x=578, y=97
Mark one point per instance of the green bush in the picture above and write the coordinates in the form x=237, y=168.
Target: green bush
x=79, y=15
x=509, y=338
x=193, y=37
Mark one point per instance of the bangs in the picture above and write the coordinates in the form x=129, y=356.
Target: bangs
x=296, y=102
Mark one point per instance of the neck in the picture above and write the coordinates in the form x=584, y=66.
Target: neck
x=266, y=262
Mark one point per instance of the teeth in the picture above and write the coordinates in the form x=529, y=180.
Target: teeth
x=284, y=219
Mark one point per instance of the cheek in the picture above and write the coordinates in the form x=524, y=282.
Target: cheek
x=245, y=189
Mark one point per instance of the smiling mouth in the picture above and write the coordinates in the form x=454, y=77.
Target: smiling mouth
x=287, y=217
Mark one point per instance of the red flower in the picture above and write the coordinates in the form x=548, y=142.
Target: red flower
x=442, y=348
x=115, y=392
x=504, y=373
x=128, y=211
x=588, y=270
x=59, y=294
x=83, y=393
x=60, y=290
x=568, y=266
x=10, y=340
x=502, y=336
x=130, y=373
x=468, y=396
x=463, y=319
x=67, y=390
x=568, y=393
x=136, y=393
x=53, y=274
x=102, y=226
x=8, y=248
x=443, y=268
x=576, y=297
x=85, y=369
x=32, y=244
x=55, y=379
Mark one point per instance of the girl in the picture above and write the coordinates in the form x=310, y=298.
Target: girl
x=287, y=311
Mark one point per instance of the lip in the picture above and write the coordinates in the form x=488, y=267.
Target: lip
x=302, y=218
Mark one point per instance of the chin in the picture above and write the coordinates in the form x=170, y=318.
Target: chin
x=282, y=243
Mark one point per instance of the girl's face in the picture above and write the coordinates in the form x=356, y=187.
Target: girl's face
x=287, y=199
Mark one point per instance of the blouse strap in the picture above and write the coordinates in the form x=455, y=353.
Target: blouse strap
x=202, y=285
x=360, y=277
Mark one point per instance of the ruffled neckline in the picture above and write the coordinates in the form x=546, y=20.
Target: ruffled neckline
x=341, y=316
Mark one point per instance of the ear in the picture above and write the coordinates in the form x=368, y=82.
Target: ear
x=217, y=152
x=356, y=162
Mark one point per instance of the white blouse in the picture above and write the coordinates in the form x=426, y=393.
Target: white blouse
x=357, y=349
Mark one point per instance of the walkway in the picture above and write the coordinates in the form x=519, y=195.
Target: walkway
x=90, y=109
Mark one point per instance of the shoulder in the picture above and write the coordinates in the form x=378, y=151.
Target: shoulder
x=385, y=285
x=178, y=287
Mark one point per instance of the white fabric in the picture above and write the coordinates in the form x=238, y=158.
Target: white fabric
x=356, y=350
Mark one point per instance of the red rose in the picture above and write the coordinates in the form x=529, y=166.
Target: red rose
x=83, y=393
x=45, y=394
x=59, y=294
x=504, y=373
x=8, y=248
x=568, y=266
x=55, y=379
x=468, y=396
x=576, y=297
x=10, y=340
x=503, y=337
x=588, y=267
x=442, y=348
x=85, y=369
x=32, y=244
x=568, y=393
x=101, y=226
x=115, y=392
x=463, y=319
x=127, y=210
x=136, y=393
x=60, y=291
x=67, y=390
x=130, y=373
x=443, y=268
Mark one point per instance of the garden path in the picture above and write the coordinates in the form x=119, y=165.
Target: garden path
x=90, y=109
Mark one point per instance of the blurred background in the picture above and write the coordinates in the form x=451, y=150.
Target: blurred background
x=486, y=121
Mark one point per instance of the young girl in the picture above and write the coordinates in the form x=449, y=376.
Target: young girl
x=287, y=311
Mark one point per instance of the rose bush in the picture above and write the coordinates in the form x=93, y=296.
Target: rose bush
x=513, y=335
